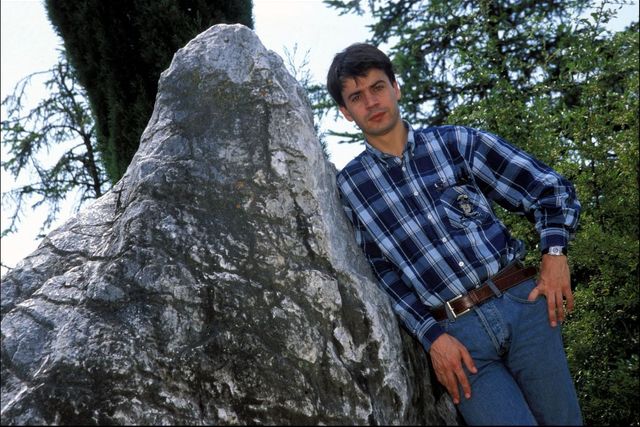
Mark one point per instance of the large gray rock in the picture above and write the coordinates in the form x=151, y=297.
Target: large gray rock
x=218, y=282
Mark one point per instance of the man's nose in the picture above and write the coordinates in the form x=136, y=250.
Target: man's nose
x=370, y=100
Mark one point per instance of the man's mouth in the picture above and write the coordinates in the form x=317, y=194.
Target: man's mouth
x=377, y=116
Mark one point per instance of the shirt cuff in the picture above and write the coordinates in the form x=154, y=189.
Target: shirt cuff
x=554, y=236
x=430, y=335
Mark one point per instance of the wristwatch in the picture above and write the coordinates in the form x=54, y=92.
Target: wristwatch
x=555, y=250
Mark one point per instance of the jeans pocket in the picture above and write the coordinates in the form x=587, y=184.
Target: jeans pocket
x=520, y=293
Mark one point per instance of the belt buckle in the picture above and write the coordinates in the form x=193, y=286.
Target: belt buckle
x=453, y=313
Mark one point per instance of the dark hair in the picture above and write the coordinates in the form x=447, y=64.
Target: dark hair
x=356, y=61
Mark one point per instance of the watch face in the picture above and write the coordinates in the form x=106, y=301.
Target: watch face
x=555, y=250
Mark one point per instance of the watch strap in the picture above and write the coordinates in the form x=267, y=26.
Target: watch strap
x=555, y=250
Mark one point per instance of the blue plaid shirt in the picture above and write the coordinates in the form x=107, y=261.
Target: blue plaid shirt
x=425, y=220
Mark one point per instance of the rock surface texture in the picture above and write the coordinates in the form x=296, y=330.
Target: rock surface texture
x=218, y=282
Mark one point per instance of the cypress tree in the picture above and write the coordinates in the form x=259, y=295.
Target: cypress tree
x=120, y=47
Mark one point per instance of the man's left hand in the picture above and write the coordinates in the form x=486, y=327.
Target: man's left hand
x=554, y=284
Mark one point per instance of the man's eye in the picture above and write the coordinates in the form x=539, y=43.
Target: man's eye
x=378, y=88
x=355, y=98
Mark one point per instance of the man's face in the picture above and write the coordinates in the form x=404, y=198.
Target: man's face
x=371, y=102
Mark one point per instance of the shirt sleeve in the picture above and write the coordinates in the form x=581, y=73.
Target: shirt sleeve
x=520, y=183
x=415, y=316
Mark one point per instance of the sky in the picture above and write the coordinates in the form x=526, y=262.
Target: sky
x=29, y=44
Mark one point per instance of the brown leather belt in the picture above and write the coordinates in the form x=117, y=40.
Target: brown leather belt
x=506, y=278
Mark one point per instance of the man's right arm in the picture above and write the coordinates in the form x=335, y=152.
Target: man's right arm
x=447, y=353
x=414, y=315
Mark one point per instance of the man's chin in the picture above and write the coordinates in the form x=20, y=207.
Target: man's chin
x=380, y=129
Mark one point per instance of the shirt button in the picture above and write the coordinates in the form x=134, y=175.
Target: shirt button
x=444, y=239
x=415, y=193
x=430, y=217
x=404, y=169
x=461, y=264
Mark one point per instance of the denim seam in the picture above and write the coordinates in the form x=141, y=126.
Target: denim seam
x=487, y=328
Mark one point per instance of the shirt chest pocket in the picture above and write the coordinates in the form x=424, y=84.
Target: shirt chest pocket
x=462, y=204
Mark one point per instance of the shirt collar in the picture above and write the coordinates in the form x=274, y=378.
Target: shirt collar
x=390, y=158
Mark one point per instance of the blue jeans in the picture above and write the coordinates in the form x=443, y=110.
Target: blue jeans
x=523, y=377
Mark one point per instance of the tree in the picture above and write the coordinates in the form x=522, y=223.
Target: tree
x=61, y=123
x=602, y=127
x=575, y=107
x=449, y=52
x=119, y=48
x=299, y=69
x=591, y=138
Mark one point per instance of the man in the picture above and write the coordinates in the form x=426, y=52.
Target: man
x=419, y=202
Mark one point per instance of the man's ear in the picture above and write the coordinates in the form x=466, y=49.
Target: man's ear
x=396, y=88
x=345, y=113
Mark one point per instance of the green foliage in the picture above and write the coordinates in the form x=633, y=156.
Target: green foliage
x=604, y=126
x=321, y=102
x=299, y=69
x=592, y=138
x=584, y=123
x=119, y=49
x=566, y=91
x=452, y=52
x=60, y=124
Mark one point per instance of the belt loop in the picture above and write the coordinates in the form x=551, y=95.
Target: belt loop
x=494, y=288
